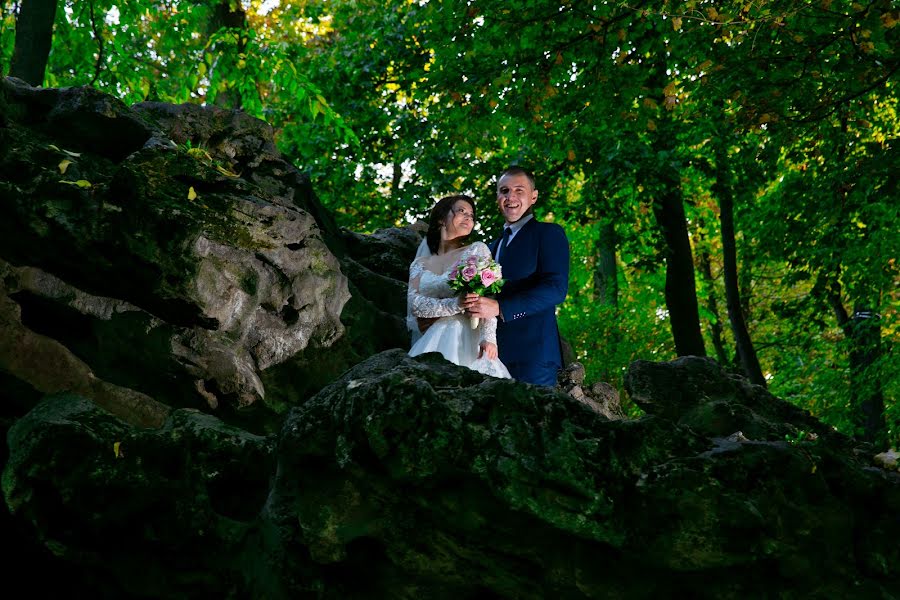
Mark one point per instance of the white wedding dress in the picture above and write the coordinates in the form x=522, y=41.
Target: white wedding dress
x=452, y=335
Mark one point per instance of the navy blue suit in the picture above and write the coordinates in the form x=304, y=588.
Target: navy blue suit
x=535, y=267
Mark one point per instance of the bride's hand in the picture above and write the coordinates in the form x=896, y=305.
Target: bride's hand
x=468, y=301
x=488, y=350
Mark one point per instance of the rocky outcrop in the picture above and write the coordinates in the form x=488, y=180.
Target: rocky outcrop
x=601, y=397
x=410, y=478
x=173, y=252
x=48, y=366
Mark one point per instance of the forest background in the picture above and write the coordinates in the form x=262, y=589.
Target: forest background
x=726, y=171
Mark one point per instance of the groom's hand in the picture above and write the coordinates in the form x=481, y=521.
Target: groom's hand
x=479, y=306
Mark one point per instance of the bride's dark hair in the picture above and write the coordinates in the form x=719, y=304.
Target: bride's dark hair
x=439, y=214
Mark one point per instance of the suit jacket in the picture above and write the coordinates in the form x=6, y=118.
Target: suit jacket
x=535, y=267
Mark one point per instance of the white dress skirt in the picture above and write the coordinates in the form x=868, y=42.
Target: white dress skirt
x=452, y=334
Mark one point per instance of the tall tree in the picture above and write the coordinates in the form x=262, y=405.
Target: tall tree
x=34, y=35
x=746, y=353
x=228, y=26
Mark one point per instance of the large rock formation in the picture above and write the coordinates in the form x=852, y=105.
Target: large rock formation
x=171, y=251
x=411, y=478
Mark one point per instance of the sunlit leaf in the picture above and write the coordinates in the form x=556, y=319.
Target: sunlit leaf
x=199, y=154
x=82, y=183
x=63, y=165
x=226, y=172
x=58, y=149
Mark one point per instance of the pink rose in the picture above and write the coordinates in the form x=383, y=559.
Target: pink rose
x=469, y=273
x=488, y=277
x=472, y=260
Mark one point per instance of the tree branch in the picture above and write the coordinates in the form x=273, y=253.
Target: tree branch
x=99, y=65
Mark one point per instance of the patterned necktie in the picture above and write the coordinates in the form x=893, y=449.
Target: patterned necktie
x=502, y=248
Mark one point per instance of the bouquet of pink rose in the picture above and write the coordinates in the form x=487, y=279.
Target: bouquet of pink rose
x=476, y=275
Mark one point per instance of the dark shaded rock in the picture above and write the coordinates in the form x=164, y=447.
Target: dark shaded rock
x=387, y=252
x=386, y=293
x=448, y=483
x=698, y=392
x=43, y=364
x=227, y=135
x=374, y=317
x=238, y=143
x=82, y=119
x=141, y=513
x=573, y=374
x=410, y=478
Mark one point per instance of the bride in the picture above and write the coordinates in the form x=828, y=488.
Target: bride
x=430, y=296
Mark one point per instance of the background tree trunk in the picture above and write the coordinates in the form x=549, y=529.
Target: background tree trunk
x=606, y=284
x=712, y=306
x=229, y=14
x=664, y=181
x=681, y=288
x=34, y=35
x=395, y=180
x=866, y=392
x=745, y=350
x=863, y=331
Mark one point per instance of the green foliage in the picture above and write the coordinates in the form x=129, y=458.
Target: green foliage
x=7, y=36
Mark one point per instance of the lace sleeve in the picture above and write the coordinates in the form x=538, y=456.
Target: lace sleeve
x=489, y=330
x=425, y=306
x=480, y=250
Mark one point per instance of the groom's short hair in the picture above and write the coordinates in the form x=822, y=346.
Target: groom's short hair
x=517, y=170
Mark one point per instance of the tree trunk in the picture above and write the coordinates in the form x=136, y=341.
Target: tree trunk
x=34, y=34
x=866, y=393
x=606, y=281
x=712, y=306
x=228, y=14
x=664, y=181
x=395, y=180
x=863, y=331
x=681, y=288
x=606, y=284
x=745, y=350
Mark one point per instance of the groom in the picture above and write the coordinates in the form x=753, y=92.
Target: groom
x=534, y=257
